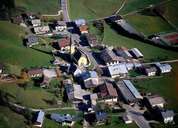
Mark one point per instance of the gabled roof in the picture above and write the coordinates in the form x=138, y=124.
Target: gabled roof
x=117, y=69
x=107, y=90
x=64, y=42
x=154, y=100
x=35, y=71
x=89, y=74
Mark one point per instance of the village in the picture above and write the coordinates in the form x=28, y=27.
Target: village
x=96, y=79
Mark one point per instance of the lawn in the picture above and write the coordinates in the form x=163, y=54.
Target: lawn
x=150, y=52
x=148, y=24
x=10, y=119
x=34, y=97
x=14, y=54
x=39, y=6
x=92, y=9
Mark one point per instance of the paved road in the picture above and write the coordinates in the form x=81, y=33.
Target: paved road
x=167, y=61
x=137, y=116
x=64, y=8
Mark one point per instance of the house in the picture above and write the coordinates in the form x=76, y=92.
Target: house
x=166, y=116
x=31, y=40
x=36, y=22
x=128, y=92
x=80, y=22
x=123, y=52
x=107, y=93
x=80, y=58
x=108, y=56
x=127, y=118
x=83, y=29
x=61, y=26
x=149, y=71
x=41, y=30
x=35, y=72
x=64, y=119
x=64, y=43
x=153, y=101
x=74, y=70
x=90, y=79
x=39, y=119
x=75, y=92
x=117, y=70
x=50, y=73
x=101, y=118
x=91, y=39
x=163, y=68
x=136, y=53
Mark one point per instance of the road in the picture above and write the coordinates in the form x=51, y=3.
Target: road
x=137, y=116
x=64, y=8
x=167, y=61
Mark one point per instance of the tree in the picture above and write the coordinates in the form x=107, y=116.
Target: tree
x=28, y=115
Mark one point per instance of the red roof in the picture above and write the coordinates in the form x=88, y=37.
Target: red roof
x=64, y=42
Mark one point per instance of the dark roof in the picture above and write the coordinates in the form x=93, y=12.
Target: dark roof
x=77, y=55
x=108, y=56
x=61, y=118
x=150, y=69
x=101, y=116
x=31, y=39
x=115, y=18
x=107, y=90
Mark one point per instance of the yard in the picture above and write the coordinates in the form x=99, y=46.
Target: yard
x=14, y=54
x=46, y=6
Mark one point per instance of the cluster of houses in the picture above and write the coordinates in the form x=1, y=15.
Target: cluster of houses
x=89, y=88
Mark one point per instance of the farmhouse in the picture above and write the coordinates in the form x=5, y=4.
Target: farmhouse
x=90, y=79
x=108, y=56
x=83, y=29
x=149, y=71
x=153, y=101
x=122, y=51
x=128, y=91
x=163, y=68
x=31, y=40
x=35, y=72
x=41, y=30
x=136, y=53
x=61, y=26
x=64, y=119
x=117, y=70
x=39, y=119
x=80, y=22
x=107, y=93
x=36, y=22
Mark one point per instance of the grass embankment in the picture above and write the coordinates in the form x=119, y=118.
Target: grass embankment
x=38, y=6
x=14, y=54
x=92, y=9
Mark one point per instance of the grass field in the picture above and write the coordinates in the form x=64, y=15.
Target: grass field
x=133, y=5
x=171, y=11
x=39, y=6
x=31, y=97
x=148, y=25
x=150, y=52
x=14, y=54
x=91, y=9
x=10, y=119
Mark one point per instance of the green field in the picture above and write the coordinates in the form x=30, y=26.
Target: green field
x=34, y=97
x=171, y=11
x=14, y=54
x=91, y=9
x=133, y=5
x=148, y=25
x=150, y=52
x=38, y=6
x=10, y=119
